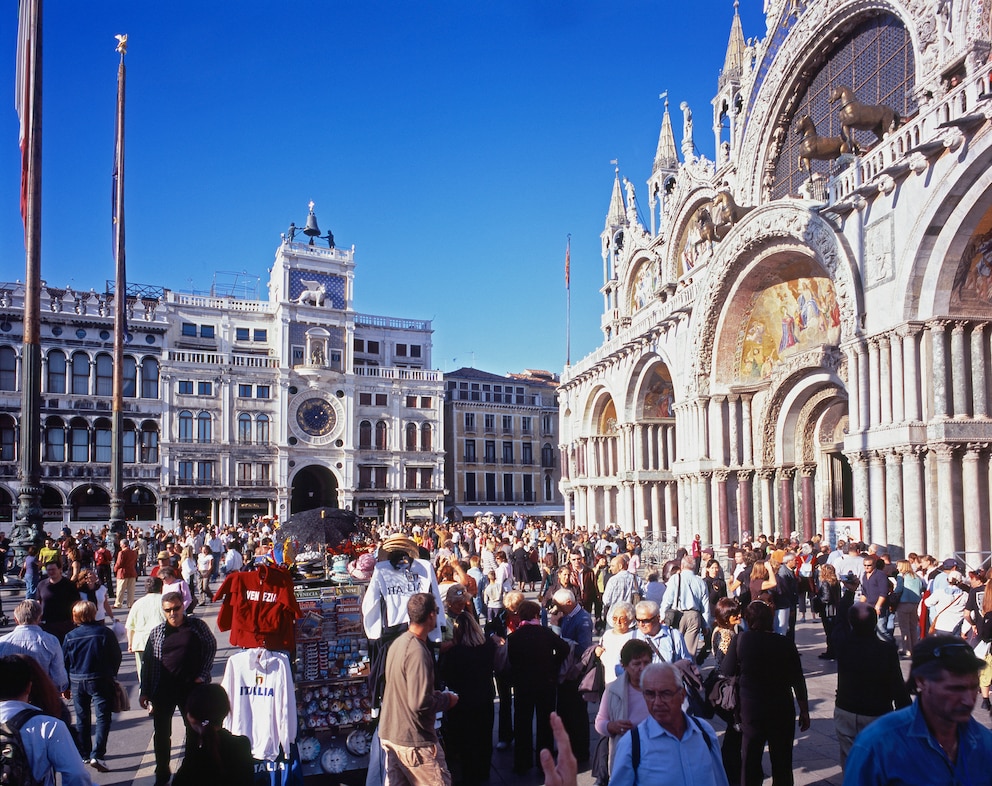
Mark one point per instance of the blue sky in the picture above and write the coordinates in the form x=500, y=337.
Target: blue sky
x=455, y=144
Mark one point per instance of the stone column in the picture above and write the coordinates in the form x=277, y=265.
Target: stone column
x=745, y=501
x=567, y=500
x=959, y=380
x=853, y=390
x=786, y=509
x=885, y=381
x=898, y=382
x=974, y=515
x=864, y=388
x=913, y=511
x=704, y=511
x=938, y=372
x=717, y=428
x=767, y=481
x=747, y=433
x=671, y=492
x=911, y=374
x=951, y=527
x=807, y=499
x=979, y=374
x=874, y=384
x=876, y=497
x=720, y=477
x=703, y=425
x=639, y=512
x=657, y=519
x=592, y=512
x=734, y=418
x=859, y=478
x=894, y=505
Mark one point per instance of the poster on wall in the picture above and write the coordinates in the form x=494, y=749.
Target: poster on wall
x=846, y=529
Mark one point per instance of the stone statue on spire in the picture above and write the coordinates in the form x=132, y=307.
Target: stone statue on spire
x=688, y=146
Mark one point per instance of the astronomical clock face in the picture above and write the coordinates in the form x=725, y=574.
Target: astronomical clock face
x=315, y=419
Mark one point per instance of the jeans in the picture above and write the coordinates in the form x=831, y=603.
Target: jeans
x=95, y=692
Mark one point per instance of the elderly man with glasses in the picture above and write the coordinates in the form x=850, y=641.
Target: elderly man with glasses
x=936, y=739
x=668, y=748
x=667, y=644
x=178, y=655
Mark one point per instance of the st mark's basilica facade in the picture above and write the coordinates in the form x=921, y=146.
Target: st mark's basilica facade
x=797, y=335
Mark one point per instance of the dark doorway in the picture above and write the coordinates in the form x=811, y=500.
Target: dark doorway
x=314, y=487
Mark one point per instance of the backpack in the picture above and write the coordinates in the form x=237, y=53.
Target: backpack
x=14, y=765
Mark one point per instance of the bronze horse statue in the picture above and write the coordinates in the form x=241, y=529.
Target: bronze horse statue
x=819, y=148
x=725, y=212
x=853, y=114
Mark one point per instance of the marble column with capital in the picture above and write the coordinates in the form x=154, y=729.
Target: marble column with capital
x=745, y=501
x=979, y=373
x=874, y=383
x=859, y=479
x=853, y=390
x=898, y=380
x=885, y=381
x=720, y=477
x=975, y=513
x=913, y=510
x=949, y=508
x=657, y=515
x=785, y=505
x=671, y=500
x=766, y=479
x=938, y=375
x=911, y=374
x=876, y=497
x=733, y=429
x=746, y=431
x=704, y=509
x=864, y=387
x=807, y=499
x=567, y=500
x=961, y=401
x=894, y=532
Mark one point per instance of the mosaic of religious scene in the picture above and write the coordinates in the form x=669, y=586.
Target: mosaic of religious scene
x=788, y=318
x=645, y=282
x=608, y=420
x=659, y=395
x=973, y=284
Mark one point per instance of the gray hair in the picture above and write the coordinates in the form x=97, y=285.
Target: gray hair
x=621, y=607
x=563, y=597
x=688, y=563
x=653, y=669
x=27, y=612
x=648, y=607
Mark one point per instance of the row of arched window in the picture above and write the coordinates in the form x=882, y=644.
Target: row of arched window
x=79, y=375
x=377, y=437
x=247, y=428
x=79, y=441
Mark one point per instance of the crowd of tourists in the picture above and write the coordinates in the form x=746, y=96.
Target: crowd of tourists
x=544, y=629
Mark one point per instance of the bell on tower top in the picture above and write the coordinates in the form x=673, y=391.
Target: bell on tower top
x=312, y=230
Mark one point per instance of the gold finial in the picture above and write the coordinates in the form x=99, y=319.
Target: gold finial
x=121, y=43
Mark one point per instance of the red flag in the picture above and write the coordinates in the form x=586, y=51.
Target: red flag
x=568, y=253
x=27, y=25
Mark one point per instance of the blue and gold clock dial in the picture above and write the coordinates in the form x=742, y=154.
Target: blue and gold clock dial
x=316, y=417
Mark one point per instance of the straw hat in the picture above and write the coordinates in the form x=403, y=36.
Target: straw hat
x=398, y=542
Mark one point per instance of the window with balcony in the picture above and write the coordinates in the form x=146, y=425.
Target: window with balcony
x=526, y=453
x=244, y=473
x=508, y=488
x=381, y=435
x=490, y=447
x=490, y=487
x=263, y=472
x=204, y=472
x=149, y=444
x=489, y=422
x=470, y=492
x=365, y=435
x=528, y=490
x=184, y=471
x=130, y=374
x=262, y=429
x=426, y=437
x=547, y=456
x=507, y=423
x=79, y=441
x=411, y=478
x=507, y=452
x=525, y=424
x=426, y=477
x=54, y=440
x=411, y=436
x=129, y=444
x=470, y=450
x=470, y=421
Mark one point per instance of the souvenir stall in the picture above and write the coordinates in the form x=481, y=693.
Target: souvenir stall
x=332, y=705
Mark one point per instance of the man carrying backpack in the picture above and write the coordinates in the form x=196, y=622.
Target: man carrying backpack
x=33, y=746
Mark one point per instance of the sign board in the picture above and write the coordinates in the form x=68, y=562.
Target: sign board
x=846, y=529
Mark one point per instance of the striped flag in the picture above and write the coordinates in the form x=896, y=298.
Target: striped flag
x=24, y=88
x=568, y=260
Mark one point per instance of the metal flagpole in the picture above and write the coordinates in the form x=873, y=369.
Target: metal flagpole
x=28, y=526
x=568, y=302
x=120, y=315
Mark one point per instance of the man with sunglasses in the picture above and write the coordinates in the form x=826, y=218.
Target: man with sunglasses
x=667, y=644
x=935, y=740
x=178, y=655
x=668, y=748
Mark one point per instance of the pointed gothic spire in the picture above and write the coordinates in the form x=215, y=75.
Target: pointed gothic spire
x=666, y=156
x=617, y=215
x=733, y=63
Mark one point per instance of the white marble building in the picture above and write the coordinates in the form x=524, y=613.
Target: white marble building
x=236, y=406
x=784, y=346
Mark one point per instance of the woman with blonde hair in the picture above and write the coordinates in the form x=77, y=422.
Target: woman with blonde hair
x=827, y=602
x=762, y=582
x=909, y=588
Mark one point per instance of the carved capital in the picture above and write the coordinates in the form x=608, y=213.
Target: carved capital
x=745, y=475
x=786, y=473
x=766, y=473
x=807, y=470
x=721, y=475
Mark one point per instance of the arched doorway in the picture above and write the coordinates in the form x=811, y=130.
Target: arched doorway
x=140, y=504
x=314, y=487
x=90, y=503
x=6, y=505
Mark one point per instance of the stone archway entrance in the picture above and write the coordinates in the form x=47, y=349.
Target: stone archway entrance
x=313, y=487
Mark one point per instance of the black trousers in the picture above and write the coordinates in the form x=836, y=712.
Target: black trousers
x=525, y=704
x=169, y=697
x=779, y=734
x=574, y=714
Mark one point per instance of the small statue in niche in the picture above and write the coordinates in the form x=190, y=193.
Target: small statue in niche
x=868, y=117
x=317, y=355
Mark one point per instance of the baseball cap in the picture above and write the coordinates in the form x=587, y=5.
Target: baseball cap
x=952, y=652
x=949, y=564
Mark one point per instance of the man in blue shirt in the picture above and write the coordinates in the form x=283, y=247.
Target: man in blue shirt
x=935, y=740
x=666, y=643
x=687, y=602
x=672, y=748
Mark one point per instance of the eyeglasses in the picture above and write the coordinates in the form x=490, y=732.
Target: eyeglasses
x=172, y=609
x=664, y=695
x=648, y=620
